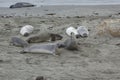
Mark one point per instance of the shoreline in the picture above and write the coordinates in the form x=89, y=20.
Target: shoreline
x=79, y=4
x=62, y=11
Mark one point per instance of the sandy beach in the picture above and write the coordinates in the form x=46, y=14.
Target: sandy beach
x=98, y=57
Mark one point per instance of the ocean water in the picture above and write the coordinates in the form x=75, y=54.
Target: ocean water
x=7, y=3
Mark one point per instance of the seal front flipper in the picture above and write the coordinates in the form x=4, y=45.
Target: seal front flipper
x=15, y=41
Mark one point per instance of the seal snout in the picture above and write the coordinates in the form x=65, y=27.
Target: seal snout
x=85, y=35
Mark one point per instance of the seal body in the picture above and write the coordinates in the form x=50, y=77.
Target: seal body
x=21, y=4
x=71, y=43
x=49, y=48
x=83, y=31
x=55, y=37
x=44, y=37
x=18, y=42
x=26, y=30
x=71, y=30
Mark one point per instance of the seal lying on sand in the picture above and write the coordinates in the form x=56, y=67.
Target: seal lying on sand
x=49, y=48
x=83, y=31
x=26, y=30
x=44, y=37
x=18, y=42
x=70, y=44
x=22, y=4
x=70, y=30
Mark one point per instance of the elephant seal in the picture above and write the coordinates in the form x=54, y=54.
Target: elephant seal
x=21, y=5
x=44, y=37
x=49, y=48
x=70, y=43
x=18, y=42
x=83, y=31
x=70, y=30
x=26, y=30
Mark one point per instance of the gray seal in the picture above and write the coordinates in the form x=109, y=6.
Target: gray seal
x=49, y=48
x=44, y=37
x=70, y=43
x=40, y=78
x=15, y=41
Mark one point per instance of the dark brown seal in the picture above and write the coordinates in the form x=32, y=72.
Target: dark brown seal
x=22, y=4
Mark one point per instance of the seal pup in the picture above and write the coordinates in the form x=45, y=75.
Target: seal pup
x=44, y=37
x=15, y=41
x=83, y=31
x=70, y=30
x=47, y=48
x=26, y=30
x=70, y=43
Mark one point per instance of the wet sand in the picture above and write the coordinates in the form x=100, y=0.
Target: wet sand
x=98, y=57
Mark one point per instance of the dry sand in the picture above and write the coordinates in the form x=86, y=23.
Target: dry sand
x=98, y=57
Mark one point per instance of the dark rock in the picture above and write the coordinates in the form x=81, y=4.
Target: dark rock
x=40, y=78
x=51, y=14
x=77, y=17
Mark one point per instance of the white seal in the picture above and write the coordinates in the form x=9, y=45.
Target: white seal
x=26, y=30
x=71, y=30
x=83, y=31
